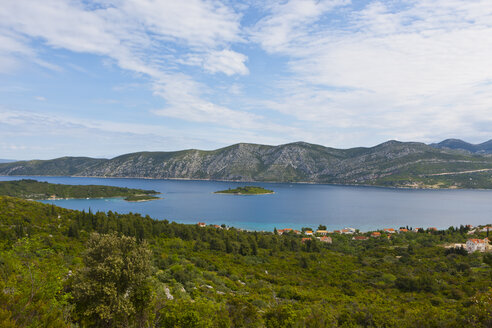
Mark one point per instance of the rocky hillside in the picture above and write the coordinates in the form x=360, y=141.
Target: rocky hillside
x=483, y=148
x=392, y=163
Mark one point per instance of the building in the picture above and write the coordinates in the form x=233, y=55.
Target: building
x=389, y=230
x=308, y=232
x=297, y=232
x=360, y=238
x=432, y=229
x=348, y=231
x=325, y=239
x=473, y=245
x=322, y=232
x=485, y=229
x=376, y=234
x=403, y=230
x=305, y=240
x=201, y=224
x=282, y=231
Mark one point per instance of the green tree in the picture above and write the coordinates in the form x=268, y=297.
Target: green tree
x=112, y=289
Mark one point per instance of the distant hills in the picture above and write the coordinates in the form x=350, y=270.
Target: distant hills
x=483, y=148
x=393, y=163
x=6, y=160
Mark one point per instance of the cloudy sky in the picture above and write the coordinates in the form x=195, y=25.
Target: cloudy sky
x=105, y=77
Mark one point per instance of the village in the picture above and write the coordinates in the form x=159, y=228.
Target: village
x=321, y=234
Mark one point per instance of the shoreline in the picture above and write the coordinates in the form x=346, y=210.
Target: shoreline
x=252, y=181
x=241, y=194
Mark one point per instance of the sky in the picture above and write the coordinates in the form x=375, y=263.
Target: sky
x=107, y=77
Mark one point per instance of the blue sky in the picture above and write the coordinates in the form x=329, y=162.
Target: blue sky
x=103, y=78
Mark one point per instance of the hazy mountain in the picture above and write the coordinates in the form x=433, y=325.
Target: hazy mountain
x=6, y=160
x=392, y=163
x=483, y=148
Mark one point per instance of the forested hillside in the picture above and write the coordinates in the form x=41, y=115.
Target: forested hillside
x=32, y=189
x=66, y=267
x=393, y=163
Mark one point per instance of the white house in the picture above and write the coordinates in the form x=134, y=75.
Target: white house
x=480, y=245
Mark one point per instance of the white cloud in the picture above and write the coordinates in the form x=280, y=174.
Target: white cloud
x=135, y=35
x=418, y=70
x=225, y=61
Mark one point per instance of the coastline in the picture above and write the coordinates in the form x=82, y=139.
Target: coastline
x=253, y=181
x=241, y=194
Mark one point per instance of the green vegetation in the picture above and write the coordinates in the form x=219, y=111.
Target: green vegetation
x=393, y=163
x=73, y=268
x=246, y=190
x=32, y=189
x=140, y=198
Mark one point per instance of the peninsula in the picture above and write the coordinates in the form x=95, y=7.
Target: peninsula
x=246, y=190
x=33, y=189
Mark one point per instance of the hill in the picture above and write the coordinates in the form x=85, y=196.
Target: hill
x=56, y=263
x=32, y=189
x=393, y=163
x=457, y=144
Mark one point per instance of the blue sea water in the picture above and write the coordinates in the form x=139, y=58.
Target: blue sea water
x=292, y=205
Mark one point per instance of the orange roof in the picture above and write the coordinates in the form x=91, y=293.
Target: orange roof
x=336, y=231
x=479, y=241
x=305, y=239
x=389, y=229
x=360, y=238
x=376, y=233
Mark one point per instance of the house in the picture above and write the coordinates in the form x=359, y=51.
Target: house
x=485, y=229
x=322, y=232
x=337, y=231
x=480, y=245
x=308, y=232
x=201, y=224
x=348, y=231
x=389, y=230
x=217, y=226
x=376, y=234
x=282, y=231
x=403, y=230
x=360, y=238
x=297, y=232
x=416, y=229
x=305, y=240
x=325, y=239
x=432, y=229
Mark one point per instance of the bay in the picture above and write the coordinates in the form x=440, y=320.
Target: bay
x=292, y=205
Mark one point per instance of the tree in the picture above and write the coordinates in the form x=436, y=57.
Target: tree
x=113, y=289
x=321, y=227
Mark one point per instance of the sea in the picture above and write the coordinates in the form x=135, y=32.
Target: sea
x=291, y=206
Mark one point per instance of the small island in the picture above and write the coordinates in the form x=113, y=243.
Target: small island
x=35, y=190
x=141, y=198
x=247, y=190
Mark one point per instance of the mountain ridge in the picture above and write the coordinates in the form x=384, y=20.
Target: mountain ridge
x=392, y=163
x=458, y=144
